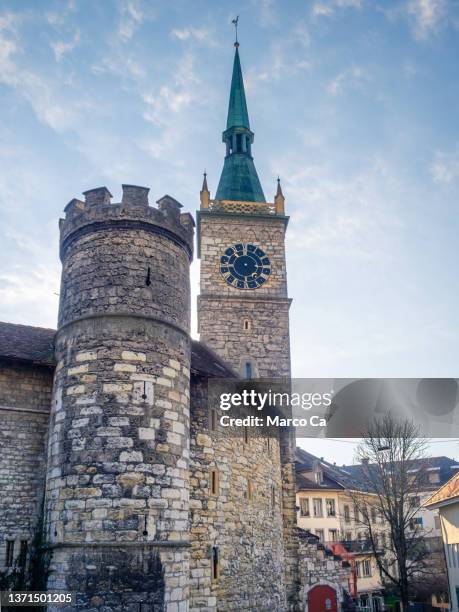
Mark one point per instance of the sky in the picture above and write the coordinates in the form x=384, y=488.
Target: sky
x=353, y=104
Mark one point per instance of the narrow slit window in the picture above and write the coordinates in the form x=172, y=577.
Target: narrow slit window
x=247, y=325
x=215, y=563
x=213, y=420
x=9, y=557
x=246, y=435
x=214, y=482
x=273, y=497
x=148, y=278
x=23, y=553
x=249, y=490
x=248, y=369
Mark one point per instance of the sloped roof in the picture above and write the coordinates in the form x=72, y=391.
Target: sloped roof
x=353, y=476
x=205, y=362
x=27, y=343
x=36, y=345
x=239, y=180
x=448, y=492
x=443, y=465
x=333, y=476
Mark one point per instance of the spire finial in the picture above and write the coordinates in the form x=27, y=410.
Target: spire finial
x=235, y=23
x=279, y=199
x=279, y=188
x=204, y=182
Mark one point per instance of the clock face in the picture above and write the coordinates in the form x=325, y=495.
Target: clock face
x=245, y=266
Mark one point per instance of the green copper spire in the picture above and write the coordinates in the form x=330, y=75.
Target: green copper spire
x=239, y=179
x=237, y=108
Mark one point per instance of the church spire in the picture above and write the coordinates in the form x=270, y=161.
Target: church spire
x=237, y=108
x=239, y=179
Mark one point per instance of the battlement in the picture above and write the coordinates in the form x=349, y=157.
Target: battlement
x=97, y=209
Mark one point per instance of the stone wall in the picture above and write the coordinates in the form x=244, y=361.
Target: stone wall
x=117, y=479
x=242, y=519
x=25, y=398
x=222, y=312
x=264, y=342
x=219, y=231
x=318, y=565
x=222, y=309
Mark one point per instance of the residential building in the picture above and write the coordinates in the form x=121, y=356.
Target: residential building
x=445, y=504
x=325, y=507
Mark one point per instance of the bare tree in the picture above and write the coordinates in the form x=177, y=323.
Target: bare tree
x=393, y=476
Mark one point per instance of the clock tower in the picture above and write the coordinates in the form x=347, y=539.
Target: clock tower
x=243, y=306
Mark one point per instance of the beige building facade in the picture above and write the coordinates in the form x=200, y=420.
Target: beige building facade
x=445, y=502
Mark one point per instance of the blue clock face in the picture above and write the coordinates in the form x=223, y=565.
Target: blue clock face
x=245, y=266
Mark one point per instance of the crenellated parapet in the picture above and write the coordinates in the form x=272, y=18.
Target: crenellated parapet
x=98, y=212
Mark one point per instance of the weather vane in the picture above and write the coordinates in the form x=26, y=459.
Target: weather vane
x=235, y=22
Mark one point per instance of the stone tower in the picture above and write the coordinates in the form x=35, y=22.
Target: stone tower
x=243, y=306
x=116, y=508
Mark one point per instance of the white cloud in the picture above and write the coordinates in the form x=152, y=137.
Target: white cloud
x=427, y=15
x=352, y=76
x=356, y=213
x=327, y=9
x=131, y=17
x=120, y=64
x=322, y=10
x=174, y=97
x=42, y=93
x=445, y=168
x=198, y=34
x=266, y=12
x=61, y=48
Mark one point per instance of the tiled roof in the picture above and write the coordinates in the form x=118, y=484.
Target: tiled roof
x=333, y=476
x=353, y=476
x=447, y=492
x=205, y=361
x=305, y=484
x=445, y=466
x=36, y=345
x=26, y=343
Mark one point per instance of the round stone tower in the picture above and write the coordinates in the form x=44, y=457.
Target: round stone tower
x=116, y=508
